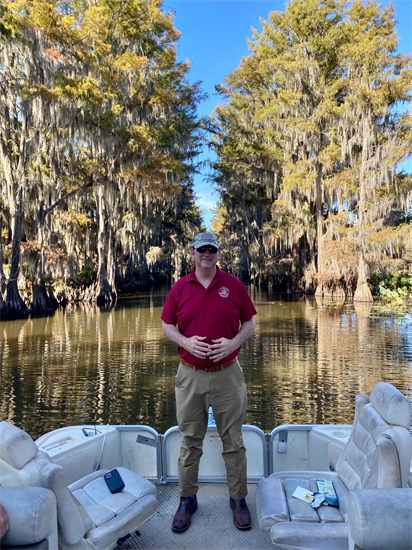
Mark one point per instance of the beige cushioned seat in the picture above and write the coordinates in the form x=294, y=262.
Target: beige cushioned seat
x=377, y=455
x=88, y=515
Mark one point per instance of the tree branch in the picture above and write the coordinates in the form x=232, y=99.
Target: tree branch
x=66, y=196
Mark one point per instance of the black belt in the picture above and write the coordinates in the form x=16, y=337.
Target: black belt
x=211, y=368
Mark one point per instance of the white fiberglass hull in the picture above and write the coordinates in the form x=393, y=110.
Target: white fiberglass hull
x=80, y=449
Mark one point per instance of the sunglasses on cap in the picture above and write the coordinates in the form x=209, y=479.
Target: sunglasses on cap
x=210, y=248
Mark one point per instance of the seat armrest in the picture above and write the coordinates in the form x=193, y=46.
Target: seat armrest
x=294, y=535
x=380, y=519
x=32, y=516
x=271, y=504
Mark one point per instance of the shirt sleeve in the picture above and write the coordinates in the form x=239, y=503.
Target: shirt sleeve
x=247, y=309
x=169, y=313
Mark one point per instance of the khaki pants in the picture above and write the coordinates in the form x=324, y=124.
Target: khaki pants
x=225, y=391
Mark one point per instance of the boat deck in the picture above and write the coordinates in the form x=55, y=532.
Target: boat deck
x=212, y=525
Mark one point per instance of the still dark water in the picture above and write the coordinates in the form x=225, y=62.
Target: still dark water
x=305, y=364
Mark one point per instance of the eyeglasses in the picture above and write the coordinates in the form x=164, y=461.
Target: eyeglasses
x=211, y=249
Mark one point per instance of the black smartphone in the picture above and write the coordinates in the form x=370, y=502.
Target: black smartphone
x=326, y=487
x=114, y=481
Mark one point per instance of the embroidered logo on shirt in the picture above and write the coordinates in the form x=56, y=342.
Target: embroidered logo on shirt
x=224, y=292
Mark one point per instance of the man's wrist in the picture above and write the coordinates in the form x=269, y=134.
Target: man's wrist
x=181, y=340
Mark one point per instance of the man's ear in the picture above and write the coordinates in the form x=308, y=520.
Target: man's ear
x=192, y=253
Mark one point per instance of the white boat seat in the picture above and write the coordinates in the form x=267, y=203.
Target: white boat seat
x=377, y=455
x=89, y=515
x=32, y=518
x=380, y=519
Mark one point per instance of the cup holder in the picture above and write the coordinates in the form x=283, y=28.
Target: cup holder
x=339, y=433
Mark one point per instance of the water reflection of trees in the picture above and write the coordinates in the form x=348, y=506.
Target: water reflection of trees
x=87, y=366
x=315, y=358
x=305, y=364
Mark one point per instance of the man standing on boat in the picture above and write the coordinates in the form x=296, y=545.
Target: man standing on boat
x=202, y=315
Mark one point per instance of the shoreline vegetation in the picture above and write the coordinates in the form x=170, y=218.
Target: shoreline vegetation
x=100, y=139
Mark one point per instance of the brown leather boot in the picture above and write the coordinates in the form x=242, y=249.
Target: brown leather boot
x=241, y=514
x=183, y=516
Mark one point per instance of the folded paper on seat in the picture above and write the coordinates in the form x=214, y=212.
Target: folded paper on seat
x=314, y=499
x=303, y=494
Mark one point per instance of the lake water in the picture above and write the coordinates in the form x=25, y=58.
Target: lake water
x=305, y=364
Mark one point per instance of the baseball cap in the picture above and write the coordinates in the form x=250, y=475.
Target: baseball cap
x=203, y=239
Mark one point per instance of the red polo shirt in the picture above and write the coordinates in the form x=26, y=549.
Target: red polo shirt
x=214, y=312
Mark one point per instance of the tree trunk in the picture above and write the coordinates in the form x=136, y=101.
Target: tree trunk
x=363, y=292
x=41, y=301
x=320, y=290
x=319, y=230
x=51, y=299
x=15, y=306
x=2, y=277
x=105, y=293
x=3, y=309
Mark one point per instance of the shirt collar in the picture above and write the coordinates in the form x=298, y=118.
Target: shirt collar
x=219, y=275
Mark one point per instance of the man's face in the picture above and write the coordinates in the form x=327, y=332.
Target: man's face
x=204, y=258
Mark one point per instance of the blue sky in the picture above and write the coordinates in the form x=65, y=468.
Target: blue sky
x=213, y=37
